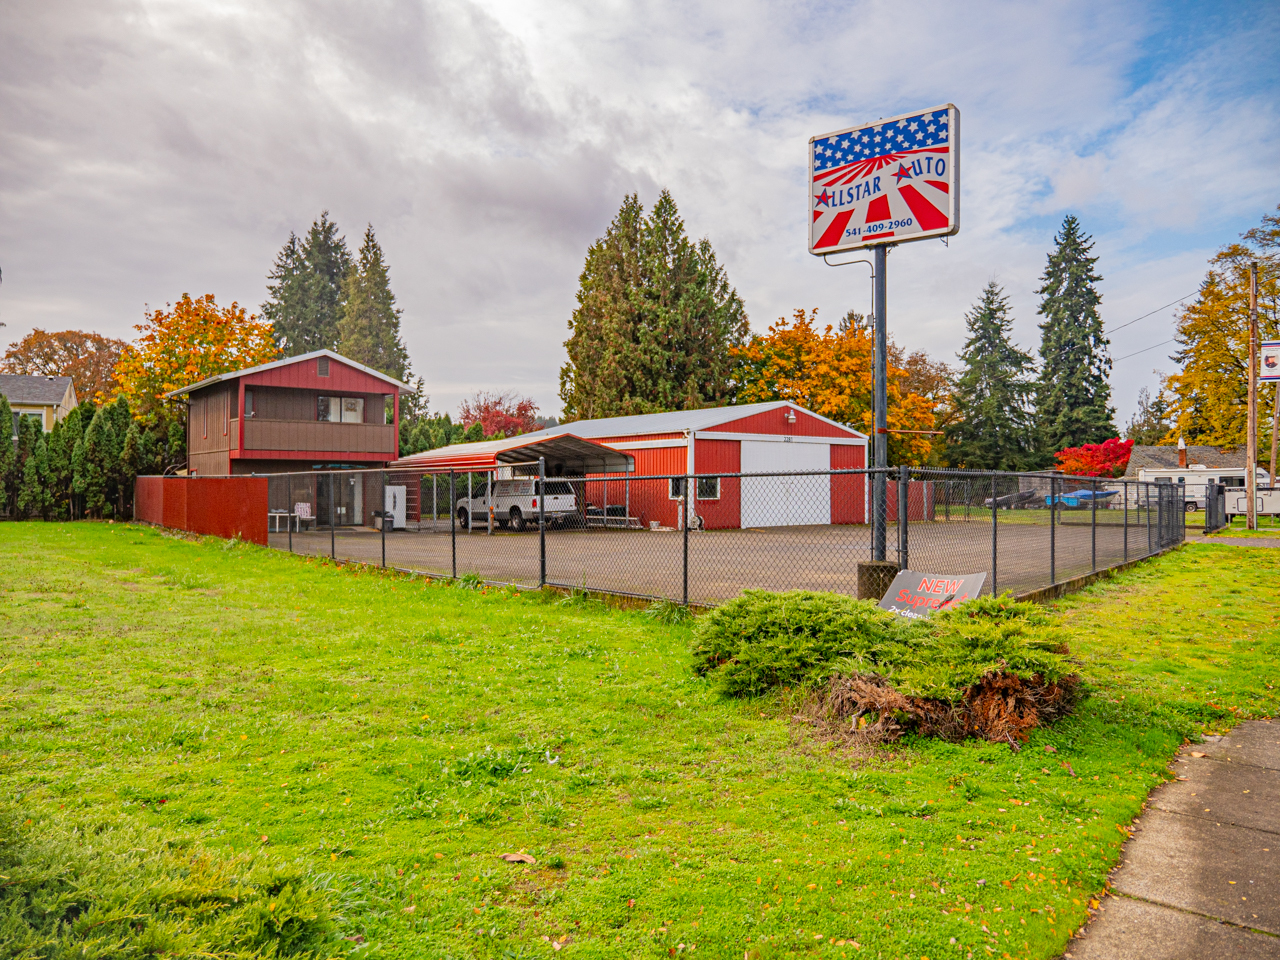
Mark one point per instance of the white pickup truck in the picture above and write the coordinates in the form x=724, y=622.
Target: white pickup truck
x=515, y=503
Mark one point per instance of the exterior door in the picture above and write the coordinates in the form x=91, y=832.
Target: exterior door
x=782, y=500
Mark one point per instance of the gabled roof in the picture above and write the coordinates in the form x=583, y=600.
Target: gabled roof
x=289, y=361
x=564, y=453
x=24, y=388
x=677, y=421
x=1166, y=458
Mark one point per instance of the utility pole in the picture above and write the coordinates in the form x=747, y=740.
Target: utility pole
x=1251, y=456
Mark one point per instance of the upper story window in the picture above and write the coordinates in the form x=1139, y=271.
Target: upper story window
x=322, y=366
x=340, y=409
x=248, y=403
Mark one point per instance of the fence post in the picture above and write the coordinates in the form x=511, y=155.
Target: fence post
x=684, y=506
x=1053, y=511
x=1093, y=525
x=289, y=506
x=384, y=518
x=1125, y=485
x=542, y=522
x=994, y=535
x=333, y=513
x=453, y=523
x=1147, y=487
x=904, y=514
x=435, y=504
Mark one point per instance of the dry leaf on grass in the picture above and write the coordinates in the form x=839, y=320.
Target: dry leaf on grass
x=518, y=858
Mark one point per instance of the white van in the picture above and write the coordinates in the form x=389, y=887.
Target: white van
x=515, y=503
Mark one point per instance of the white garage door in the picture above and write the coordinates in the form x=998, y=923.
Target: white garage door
x=782, y=501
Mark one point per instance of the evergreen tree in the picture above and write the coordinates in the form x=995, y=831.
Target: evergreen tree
x=655, y=322
x=1073, y=395
x=994, y=430
x=369, y=331
x=94, y=465
x=7, y=459
x=67, y=432
x=1150, y=425
x=34, y=497
x=175, y=448
x=305, y=302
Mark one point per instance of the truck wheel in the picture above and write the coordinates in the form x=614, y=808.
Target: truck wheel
x=1191, y=506
x=517, y=519
x=464, y=518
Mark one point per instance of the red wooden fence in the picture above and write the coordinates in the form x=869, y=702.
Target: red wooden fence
x=220, y=506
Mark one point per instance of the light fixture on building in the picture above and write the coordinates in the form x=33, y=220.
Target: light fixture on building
x=791, y=416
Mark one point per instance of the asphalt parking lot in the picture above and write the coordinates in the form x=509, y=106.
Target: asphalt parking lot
x=722, y=563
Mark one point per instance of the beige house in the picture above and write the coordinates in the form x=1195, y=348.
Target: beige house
x=47, y=398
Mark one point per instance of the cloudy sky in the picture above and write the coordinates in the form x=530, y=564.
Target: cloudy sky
x=154, y=147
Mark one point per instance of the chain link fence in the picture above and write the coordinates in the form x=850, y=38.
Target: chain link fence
x=705, y=538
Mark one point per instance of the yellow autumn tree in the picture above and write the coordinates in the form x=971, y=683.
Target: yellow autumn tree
x=830, y=372
x=187, y=342
x=1208, y=396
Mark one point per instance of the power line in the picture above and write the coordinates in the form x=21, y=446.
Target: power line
x=1156, y=310
x=1145, y=349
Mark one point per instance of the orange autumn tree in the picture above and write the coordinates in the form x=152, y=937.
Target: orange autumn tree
x=830, y=373
x=191, y=340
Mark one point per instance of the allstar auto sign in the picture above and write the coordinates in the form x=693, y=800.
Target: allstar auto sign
x=885, y=182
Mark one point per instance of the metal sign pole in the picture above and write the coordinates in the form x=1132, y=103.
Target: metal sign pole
x=881, y=415
x=995, y=526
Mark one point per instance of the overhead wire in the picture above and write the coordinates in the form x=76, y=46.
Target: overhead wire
x=1156, y=310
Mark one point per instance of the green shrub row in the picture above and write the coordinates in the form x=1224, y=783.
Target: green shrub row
x=760, y=641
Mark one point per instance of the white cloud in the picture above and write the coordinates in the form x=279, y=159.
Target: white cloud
x=152, y=148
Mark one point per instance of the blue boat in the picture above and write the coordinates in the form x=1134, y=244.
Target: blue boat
x=1078, y=499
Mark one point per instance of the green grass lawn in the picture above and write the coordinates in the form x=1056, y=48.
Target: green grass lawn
x=401, y=735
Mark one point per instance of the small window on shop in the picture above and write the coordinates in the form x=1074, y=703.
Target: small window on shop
x=677, y=488
x=708, y=488
x=322, y=366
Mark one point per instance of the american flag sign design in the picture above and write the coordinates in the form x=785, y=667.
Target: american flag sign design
x=885, y=182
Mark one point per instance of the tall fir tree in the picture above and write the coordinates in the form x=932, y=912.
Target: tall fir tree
x=369, y=331
x=655, y=320
x=94, y=466
x=34, y=495
x=1073, y=394
x=305, y=302
x=995, y=428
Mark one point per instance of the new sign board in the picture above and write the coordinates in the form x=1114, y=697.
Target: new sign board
x=885, y=182
x=1269, y=361
x=917, y=595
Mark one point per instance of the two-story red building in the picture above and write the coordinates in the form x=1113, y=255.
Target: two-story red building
x=318, y=411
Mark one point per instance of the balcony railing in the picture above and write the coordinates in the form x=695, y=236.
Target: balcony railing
x=376, y=438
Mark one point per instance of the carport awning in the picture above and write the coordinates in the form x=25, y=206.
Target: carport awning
x=566, y=455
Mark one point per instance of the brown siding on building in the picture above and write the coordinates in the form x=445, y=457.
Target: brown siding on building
x=216, y=464
x=209, y=421
x=353, y=438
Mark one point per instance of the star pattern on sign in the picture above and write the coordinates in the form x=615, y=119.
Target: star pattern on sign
x=910, y=133
x=823, y=199
x=903, y=173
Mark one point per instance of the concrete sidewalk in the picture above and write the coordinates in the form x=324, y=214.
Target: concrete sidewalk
x=1264, y=543
x=1200, y=877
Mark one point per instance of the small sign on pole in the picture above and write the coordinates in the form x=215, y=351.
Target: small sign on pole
x=916, y=595
x=890, y=181
x=1269, y=365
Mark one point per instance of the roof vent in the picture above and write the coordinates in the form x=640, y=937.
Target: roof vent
x=322, y=366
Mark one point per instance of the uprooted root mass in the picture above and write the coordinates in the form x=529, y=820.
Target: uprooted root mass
x=1001, y=707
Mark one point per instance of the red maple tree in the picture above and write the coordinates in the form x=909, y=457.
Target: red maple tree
x=1106, y=459
x=505, y=413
